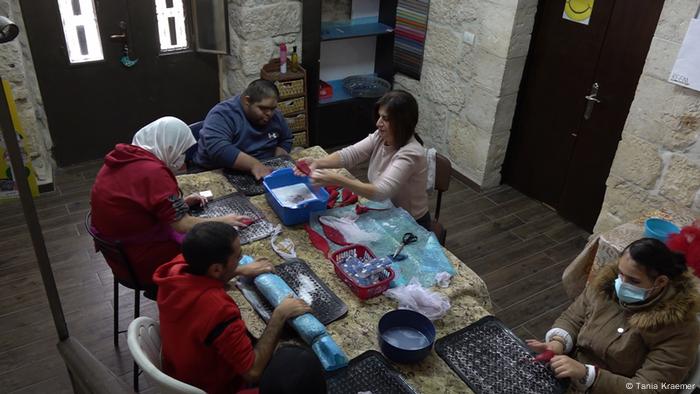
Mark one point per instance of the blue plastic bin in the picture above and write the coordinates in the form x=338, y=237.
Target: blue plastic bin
x=300, y=214
x=659, y=229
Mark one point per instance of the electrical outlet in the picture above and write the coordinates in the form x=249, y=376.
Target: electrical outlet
x=468, y=37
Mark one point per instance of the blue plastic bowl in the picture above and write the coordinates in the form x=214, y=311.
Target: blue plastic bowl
x=659, y=229
x=405, y=336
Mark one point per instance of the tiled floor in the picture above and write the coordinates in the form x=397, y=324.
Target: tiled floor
x=517, y=245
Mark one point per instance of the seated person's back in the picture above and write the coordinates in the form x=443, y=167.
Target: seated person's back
x=244, y=129
x=135, y=197
x=191, y=308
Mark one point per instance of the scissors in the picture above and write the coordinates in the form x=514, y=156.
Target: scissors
x=407, y=239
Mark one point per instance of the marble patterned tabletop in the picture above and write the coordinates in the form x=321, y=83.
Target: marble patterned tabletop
x=357, y=331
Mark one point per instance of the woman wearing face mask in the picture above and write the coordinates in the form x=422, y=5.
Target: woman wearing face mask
x=633, y=328
x=136, y=200
x=398, y=168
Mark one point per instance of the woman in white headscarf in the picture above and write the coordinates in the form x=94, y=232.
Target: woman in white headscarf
x=136, y=200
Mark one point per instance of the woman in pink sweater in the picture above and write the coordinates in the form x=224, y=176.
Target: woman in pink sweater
x=397, y=164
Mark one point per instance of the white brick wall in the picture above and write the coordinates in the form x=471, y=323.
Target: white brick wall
x=257, y=27
x=17, y=67
x=467, y=92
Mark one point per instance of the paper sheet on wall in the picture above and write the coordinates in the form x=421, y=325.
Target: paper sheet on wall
x=578, y=11
x=686, y=70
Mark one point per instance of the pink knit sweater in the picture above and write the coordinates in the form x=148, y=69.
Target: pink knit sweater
x=399, y=175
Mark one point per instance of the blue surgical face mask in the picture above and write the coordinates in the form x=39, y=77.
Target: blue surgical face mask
x=629, y=293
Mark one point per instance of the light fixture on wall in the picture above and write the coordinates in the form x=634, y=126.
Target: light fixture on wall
x=8, y=30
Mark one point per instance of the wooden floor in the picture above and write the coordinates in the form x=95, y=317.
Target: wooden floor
x=517, y=245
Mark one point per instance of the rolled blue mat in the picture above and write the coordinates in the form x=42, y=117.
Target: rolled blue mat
x=309, y=328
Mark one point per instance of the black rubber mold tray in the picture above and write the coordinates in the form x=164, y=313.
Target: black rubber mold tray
x=369, y=371
x=238, y=204
x=491, y=359
x=245, y=183
x=325, y=305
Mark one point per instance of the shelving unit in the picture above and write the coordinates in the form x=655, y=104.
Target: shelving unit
x=332, y=51
x=360, y=27
x=293, y=99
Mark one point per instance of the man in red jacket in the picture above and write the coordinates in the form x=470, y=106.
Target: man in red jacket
x=204, y=339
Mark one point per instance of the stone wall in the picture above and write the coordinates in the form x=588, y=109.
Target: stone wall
x=658, y=159
x=467, y=91
x=257, y=27
x=336, y=10
x=17, y=67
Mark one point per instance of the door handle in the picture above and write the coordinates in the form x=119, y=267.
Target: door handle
x=592, y=100
x=122, y=37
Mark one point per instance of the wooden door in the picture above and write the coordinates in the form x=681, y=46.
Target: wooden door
x=94, y=105
x=563, y=142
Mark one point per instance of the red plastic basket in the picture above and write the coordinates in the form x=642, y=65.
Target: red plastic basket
x=362, y=292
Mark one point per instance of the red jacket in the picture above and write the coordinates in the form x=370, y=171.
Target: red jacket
x=204, y=341
x=134, y=199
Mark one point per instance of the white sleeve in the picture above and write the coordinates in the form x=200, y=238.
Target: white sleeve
x=560, y=332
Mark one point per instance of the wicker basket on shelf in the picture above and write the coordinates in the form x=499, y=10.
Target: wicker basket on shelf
x=291, y=106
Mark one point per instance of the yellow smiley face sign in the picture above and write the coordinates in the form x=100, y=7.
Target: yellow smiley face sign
x=578, y=10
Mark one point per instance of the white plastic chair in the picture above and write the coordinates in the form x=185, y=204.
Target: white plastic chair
x=143, y=338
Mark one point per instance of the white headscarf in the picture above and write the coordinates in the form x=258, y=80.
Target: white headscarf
x=167, y=138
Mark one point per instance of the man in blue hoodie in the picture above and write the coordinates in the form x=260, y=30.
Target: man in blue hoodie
x=239, y=132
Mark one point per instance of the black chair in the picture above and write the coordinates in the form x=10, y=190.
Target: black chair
x=195, y=128
x=113, y=252
x=443, y=174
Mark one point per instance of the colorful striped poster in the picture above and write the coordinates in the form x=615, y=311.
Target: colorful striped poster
x=409, y=36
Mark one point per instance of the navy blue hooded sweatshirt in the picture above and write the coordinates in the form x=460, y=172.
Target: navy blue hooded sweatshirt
x=227, y=132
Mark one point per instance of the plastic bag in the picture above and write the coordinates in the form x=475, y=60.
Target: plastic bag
x=425, y=258
x=419, y=299
x=443, y=279
x=348, y=228
x=366, y=273
x=312, y=331
x=284, y=248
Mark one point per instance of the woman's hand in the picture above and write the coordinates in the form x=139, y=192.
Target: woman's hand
x=324, y=177
x=195, y=199
x=541, y=347
x=311, y=163
x=567, y=367
x=260, y=266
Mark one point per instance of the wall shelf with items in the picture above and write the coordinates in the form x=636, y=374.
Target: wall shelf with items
x=293, y=98
x=360, y=44
x=359, y=27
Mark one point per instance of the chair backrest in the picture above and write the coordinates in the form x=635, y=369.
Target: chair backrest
x=114, y=255
x=143, y=338
x=443, y=174
x=195, y=128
